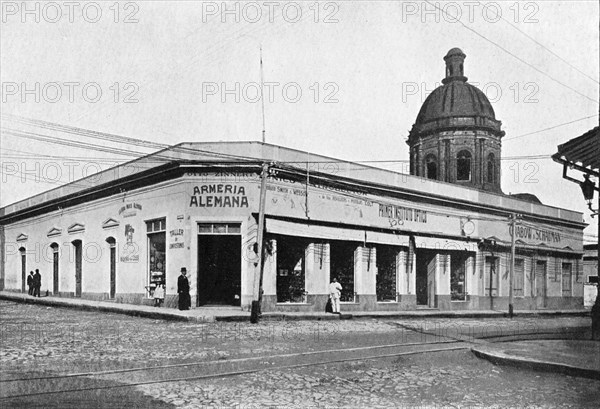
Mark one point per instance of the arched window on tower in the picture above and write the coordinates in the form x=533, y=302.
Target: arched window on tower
x=491, y=168
x=463, y=165
x=431, y=167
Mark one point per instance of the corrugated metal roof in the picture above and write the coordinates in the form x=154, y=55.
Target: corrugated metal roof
x=583, y=150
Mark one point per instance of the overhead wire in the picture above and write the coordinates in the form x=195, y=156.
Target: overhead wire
x=545, y=74
x=546, y=48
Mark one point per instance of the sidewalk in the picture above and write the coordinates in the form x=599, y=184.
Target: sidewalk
x=571, y=357
x=226, y=313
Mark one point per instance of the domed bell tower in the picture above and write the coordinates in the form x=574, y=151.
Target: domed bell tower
x=456, y=137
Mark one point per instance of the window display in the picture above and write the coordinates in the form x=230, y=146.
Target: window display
x=291, y=285
x=156, y=254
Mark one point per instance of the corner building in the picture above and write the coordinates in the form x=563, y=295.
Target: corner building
x=394, y=241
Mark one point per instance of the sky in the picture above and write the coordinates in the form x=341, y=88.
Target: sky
x=342, y=79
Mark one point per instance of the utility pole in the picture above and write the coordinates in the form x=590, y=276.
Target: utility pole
x=513, y=222
x=259, y=266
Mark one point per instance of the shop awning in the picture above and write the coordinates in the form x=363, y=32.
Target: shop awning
x=386, y=238
x=312, y=230
x=582, y=152
x=300, y=229
x=435, y=243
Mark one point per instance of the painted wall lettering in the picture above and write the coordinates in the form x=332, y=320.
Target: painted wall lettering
x=130, y=209
x=403, y=213
x=531, y=233
x=219, y=195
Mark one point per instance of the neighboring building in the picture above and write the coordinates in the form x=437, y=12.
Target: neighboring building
x=590, y=274
x=394, y=241
x=582, y=155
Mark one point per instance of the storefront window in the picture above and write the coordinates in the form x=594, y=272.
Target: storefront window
x=386, y=272
x=291, y=284
x=342, y=267
x=156, y=254
x=458, y=288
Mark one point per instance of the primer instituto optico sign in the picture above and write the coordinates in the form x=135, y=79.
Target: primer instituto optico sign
x=332, y=204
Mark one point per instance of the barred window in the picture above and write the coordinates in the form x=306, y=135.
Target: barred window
x=519, y=279
x=567, y=272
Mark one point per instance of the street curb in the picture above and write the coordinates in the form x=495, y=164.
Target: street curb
x=503, y=359
x=107, y=308
x=175, y=315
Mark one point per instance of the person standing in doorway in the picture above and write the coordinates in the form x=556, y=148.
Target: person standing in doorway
x=183, y=289
x=37, y=283
x=335, y=289
x=30, y=282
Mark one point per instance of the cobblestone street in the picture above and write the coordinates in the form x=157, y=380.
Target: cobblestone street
x=40, y=342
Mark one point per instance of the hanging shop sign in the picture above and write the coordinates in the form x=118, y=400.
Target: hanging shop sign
x=130, y=248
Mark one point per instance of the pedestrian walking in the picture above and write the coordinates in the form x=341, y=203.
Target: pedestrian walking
x=37, y=283
x=335, y=289
x=30, y=282
x=159, y=294
x=183, y=289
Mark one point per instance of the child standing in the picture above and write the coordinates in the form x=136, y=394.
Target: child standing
x=159, y=295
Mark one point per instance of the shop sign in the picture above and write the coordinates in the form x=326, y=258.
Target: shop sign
x=537, y=235
x=402, y=213
x=224, y=176
x=176, y=235
x=219, y=195
x=353, y=207
x=129, y=230
x=130, y=209
x=130, y=247
x=132, y=258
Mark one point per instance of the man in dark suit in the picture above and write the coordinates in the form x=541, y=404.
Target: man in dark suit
x=37, y=283
x=30, y=282
x=183, y=289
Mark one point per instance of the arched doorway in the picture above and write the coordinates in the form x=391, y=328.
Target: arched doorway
x=77, y=245
x=112, y=243
x=55, y=273
x=23, y=268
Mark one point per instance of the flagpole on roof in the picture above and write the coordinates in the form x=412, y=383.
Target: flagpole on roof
x=262, y=95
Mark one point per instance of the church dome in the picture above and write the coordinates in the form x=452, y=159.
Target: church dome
x=456, y=104
x=455, y=99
